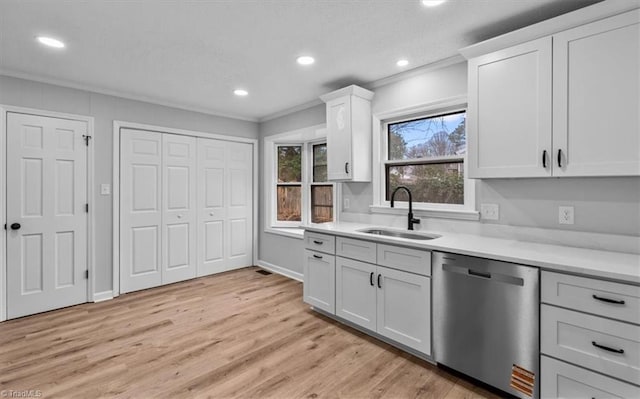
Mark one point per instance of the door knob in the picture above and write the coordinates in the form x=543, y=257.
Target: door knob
x=210, y=213
x=179, y=216
x=15, y=226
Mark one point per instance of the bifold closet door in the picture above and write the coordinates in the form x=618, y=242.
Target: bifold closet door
x=140, y=210
x=225, y=198
x=178, y=208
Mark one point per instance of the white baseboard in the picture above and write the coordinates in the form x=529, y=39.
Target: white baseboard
x=102, y=296
x=280, y=270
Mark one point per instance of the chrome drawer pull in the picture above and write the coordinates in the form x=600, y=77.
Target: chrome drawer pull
x=616, y=301
x=594, y=343
x=317, y=242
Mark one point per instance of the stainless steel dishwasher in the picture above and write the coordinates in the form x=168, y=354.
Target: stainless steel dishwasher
x=486, y=321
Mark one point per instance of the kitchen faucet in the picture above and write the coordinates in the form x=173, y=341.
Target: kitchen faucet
x=410, y=217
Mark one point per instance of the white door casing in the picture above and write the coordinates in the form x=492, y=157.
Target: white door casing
x=178, y=208
x=140, y=210
x=47, y=257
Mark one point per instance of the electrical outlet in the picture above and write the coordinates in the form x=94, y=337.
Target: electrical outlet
x=565, y=215
x=490, y=211
x=345, y=203
x=105, y=189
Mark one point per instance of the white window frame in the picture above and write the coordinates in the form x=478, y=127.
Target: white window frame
x=306, y=137
x=303, y=172
x=466, y=211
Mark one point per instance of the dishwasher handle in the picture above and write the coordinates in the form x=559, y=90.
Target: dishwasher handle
x=497, y=277
x=478, y=274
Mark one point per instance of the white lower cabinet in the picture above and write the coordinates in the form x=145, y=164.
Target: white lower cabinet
x=404, y=308
x=319, y=280
x=393, y=303
x=590, y=338
x=565, y=381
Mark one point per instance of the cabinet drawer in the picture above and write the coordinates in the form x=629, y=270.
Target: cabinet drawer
x=407, y=259
x=320, y=242
x=599, y=344
x=364, y=251
x=562, y=380
x=614, y=300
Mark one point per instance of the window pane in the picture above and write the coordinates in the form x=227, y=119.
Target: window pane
x=289, y=164
x=320, y=163
x=435, y=183
x=289, y=203
x=321, y=204
x=428, y=137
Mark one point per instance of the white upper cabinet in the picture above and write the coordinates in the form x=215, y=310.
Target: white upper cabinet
x=509, y=111
x=349, y=134
x=596, y=97
x=563, y=105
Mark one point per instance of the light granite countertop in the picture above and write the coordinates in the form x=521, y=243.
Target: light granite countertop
x=617, y=266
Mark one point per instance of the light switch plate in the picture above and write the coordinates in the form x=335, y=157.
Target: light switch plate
x=105, y=189
x=345, y=204
x=490, y=211
x=565, y=215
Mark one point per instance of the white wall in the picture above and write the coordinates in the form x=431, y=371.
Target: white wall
x=602, y=205
x=106, y=109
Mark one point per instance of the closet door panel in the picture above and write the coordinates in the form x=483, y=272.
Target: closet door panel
x=239, y=196
x=179, y=210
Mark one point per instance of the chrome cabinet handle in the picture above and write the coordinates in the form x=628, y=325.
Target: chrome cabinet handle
x=317, y=256
x=544, y=159
x=371, y=279
x=346, y=167
x=317, y=242
x=379, y=283
x=594, y=343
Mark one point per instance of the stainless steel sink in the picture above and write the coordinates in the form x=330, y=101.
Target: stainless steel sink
x=399, y=234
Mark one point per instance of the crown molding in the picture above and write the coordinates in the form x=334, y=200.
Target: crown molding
x=116, y=93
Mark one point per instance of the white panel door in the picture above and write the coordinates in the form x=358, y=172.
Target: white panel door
x=404, y=303
x=212, y=212
x=178, y=208
x=509, y=112
x=46, y=216
x=596, y=88
x=356, y=292
x=239, y=204
x=140, y=210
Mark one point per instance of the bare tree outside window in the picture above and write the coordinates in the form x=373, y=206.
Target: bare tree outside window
x=289, y=186
x=427, y=156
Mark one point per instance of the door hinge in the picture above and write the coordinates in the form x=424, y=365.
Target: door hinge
x=86, y=274
x=86, y=208
x=86, y=139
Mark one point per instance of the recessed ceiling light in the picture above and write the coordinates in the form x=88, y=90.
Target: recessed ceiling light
x=402, y=63
x=432, y=3
x=240, y=92
x=51, y=42
x=305, y=60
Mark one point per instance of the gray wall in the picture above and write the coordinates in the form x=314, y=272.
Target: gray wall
x=602, y=205
x=278, y=250
x=106, y=109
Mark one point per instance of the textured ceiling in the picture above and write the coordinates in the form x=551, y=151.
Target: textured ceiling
x=192, y=54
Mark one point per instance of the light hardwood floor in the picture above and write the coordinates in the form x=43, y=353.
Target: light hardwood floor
x=234, y=335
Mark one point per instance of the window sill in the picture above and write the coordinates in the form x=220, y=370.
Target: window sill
x=291, y=232
x=458, y=214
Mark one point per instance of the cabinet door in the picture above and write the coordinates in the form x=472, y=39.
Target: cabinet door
x=319, y=280
x=509, y=113
x=404, y=308
x=356, y=292
x=563, y=380
x=339, y=139
x=597, y=97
